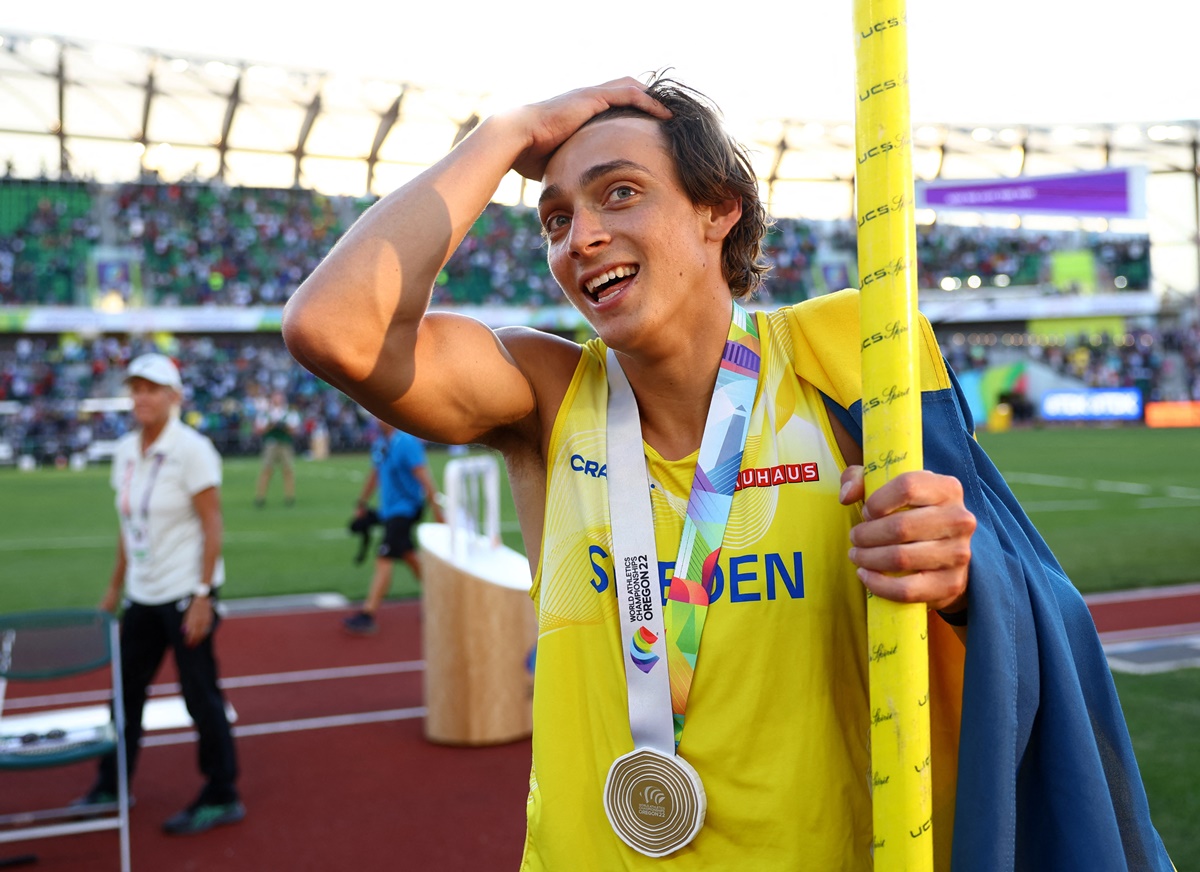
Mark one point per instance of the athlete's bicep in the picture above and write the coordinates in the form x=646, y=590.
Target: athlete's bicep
x=458, y=382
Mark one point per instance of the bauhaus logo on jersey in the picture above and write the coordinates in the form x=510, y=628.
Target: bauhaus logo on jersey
x=743, y=578
x=774, y=476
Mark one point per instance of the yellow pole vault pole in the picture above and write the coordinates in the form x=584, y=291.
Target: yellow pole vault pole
x=898, y=655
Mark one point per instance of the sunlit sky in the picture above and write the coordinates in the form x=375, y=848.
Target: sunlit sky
x=1021, y=61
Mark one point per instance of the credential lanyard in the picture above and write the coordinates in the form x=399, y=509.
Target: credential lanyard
x=650, y=632
x=127, y=485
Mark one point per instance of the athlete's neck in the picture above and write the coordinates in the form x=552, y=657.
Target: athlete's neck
x=674, y=391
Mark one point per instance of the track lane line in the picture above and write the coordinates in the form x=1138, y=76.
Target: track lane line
x=293, y=726
x=264, y=680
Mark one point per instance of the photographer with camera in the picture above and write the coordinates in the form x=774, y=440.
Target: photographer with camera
x=399, y=468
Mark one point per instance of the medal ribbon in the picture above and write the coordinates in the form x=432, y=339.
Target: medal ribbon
x=681, y=626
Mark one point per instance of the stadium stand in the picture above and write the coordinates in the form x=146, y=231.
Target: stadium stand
x=212, y=245
x=206, y=247
x=45, y=384
x=207, y=244
x=46, y=230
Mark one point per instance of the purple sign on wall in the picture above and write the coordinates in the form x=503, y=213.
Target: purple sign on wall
x=1112, y=193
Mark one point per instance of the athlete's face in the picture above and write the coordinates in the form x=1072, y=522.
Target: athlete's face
x=625, y=242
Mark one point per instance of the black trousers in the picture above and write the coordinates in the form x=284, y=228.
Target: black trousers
x=146, y=634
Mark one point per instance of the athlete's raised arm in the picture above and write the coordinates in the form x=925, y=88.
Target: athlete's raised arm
x=360, y=322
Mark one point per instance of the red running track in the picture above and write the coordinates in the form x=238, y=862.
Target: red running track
x=366, y=793
x=366, y=796
x=1148, y=613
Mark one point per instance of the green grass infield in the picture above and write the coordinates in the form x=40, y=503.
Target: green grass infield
x=1118, y=506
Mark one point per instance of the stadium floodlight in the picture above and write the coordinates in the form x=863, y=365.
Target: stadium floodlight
x=1166, y=133
x=269, y=75
x=222, y=70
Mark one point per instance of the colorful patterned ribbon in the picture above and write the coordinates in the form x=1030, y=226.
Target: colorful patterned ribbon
x=715, y=480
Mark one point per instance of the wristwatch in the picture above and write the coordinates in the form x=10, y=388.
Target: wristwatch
x=203, y=590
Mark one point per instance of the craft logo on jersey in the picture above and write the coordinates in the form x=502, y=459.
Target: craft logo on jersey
x=639, y=649
x=579, y=463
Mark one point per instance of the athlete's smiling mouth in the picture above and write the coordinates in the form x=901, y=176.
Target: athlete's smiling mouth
x=598, y=286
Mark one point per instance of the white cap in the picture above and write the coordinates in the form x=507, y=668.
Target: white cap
x=157, y=368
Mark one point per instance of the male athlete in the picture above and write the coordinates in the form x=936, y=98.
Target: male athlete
x=653, y=228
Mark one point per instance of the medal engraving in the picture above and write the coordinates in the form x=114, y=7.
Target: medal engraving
x=654, y=802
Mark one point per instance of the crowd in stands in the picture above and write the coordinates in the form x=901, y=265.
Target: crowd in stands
x=229, y=379
x=227, y=382
x=1162, y=364
x=502, y=261
x=206, y=244
x=1027, y=259
x=213, y=245
x=46, y=232
x=65, y=243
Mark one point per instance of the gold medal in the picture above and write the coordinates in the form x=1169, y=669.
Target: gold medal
x=655, y=802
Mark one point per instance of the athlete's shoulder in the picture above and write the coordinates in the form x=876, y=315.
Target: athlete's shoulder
x=837, y=311
x=843, y=304
x=827, y=337
x=548, y=363
x=536, y=350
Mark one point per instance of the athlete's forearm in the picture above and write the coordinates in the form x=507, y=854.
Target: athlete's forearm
x=372, y=290
x=360, y=320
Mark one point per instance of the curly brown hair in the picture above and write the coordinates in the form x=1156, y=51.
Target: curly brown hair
x=713, y=168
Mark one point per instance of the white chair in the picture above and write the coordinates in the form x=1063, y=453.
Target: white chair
x=39, y=646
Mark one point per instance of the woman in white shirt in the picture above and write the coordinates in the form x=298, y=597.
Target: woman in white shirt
x=167, y=479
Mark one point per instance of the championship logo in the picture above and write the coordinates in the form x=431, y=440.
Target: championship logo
x=639, y=650
x=654, y=801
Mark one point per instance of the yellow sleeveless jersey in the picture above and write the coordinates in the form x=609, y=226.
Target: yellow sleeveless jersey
x=777, y=717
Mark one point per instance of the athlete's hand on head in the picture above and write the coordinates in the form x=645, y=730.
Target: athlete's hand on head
x=552, y=122
x=914, y=543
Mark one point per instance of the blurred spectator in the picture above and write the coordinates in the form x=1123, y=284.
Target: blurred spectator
x=167, y=571
x=44, y=380
x=406, y=488
x=277, y=424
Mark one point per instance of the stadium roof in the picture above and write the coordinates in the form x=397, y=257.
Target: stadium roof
x=110, y=112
